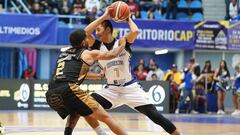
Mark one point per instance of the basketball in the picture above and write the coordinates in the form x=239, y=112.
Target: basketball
x=119, y=11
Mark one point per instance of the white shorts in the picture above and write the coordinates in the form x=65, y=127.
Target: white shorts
x=132, y=95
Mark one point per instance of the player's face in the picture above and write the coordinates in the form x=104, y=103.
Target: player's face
x=100, y=31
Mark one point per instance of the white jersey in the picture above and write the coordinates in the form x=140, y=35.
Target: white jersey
x=117, y=70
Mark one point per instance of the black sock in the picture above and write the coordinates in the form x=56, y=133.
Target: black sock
x=68, y=131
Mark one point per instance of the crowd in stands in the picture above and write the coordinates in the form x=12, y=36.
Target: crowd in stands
x=190, y=85
x=144, y=9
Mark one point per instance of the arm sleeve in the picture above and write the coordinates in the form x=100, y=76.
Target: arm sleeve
x=128, y=48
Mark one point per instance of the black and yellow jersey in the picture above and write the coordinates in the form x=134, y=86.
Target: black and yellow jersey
x=70, y=67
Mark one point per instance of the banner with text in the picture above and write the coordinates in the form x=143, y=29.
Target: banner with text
x=234, y=35
x=159, y=34
x=211, y=35
x=21, y=94
x=28, y=29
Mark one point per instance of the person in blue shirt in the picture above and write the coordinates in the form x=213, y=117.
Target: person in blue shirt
x=187, y=86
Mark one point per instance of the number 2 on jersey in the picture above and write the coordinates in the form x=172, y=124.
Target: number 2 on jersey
x=60, y=67
x=116, y=71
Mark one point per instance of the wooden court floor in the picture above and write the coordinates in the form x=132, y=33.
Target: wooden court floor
x=48, y=123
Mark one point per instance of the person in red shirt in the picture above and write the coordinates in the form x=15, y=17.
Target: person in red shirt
x=134, y=9
x=29, y=73
x=141, y=73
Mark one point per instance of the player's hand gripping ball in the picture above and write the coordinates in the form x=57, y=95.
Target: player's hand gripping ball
x=119, y=11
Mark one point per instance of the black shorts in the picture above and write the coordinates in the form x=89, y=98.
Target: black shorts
x=67, y=98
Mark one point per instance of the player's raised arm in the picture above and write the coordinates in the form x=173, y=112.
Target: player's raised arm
x=92, y=26
x=134, y=31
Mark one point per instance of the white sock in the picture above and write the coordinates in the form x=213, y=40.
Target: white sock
x=100, y=131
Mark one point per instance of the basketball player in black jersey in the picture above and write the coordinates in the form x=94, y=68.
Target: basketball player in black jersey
x=64, y=94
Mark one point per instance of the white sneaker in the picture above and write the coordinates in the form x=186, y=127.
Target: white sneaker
x=194, y=112
x=236, y=113
x=220, y=112
x=177, y=111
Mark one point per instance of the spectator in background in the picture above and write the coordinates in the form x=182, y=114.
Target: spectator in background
x=175, y=73
x=154, y=77
x=141, y=73
x=172, y=8
x=89, y=4
x=194, y=67
x=233, y=9
x=203, y=83
x=141, y=61
x=155, y=70
x=205, y=80
x=91, y=16
x=134, y=9
x=78, y=8
x=158, y=4
x=227, y=2
x=236, y=91
x=145, y=4
x=174, y=93
x=151, y=64
x=151, y=15
x=65, y=10
x=29, y=74
x=188, y=79
x=221, y=77
x=36, y=8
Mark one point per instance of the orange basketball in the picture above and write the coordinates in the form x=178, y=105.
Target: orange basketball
x=119, y=11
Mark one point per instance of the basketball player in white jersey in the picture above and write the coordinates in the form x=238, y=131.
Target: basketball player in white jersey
x=121, y=86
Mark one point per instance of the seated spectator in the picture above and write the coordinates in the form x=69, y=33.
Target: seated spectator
x=154, y=77
x=36, y=8
x=145, y=4
x=134, y=9
x=65, y=10
x=158, y=4
x=233, y=9
x=151, y=64
x=78, y=8
x=172, y=7
x=151, y=15
x=141, y=73
x=29, y=74
x=91, y=16
x=157, y=71
x=227, y=17
x=141, y=61
x=89, y=4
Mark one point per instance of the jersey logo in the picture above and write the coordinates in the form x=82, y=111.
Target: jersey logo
x=114, y=63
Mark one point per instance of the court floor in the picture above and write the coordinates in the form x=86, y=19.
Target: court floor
x=48, y=123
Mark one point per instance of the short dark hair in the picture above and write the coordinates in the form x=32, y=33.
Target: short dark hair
x=76, y=37
x=107, y=23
